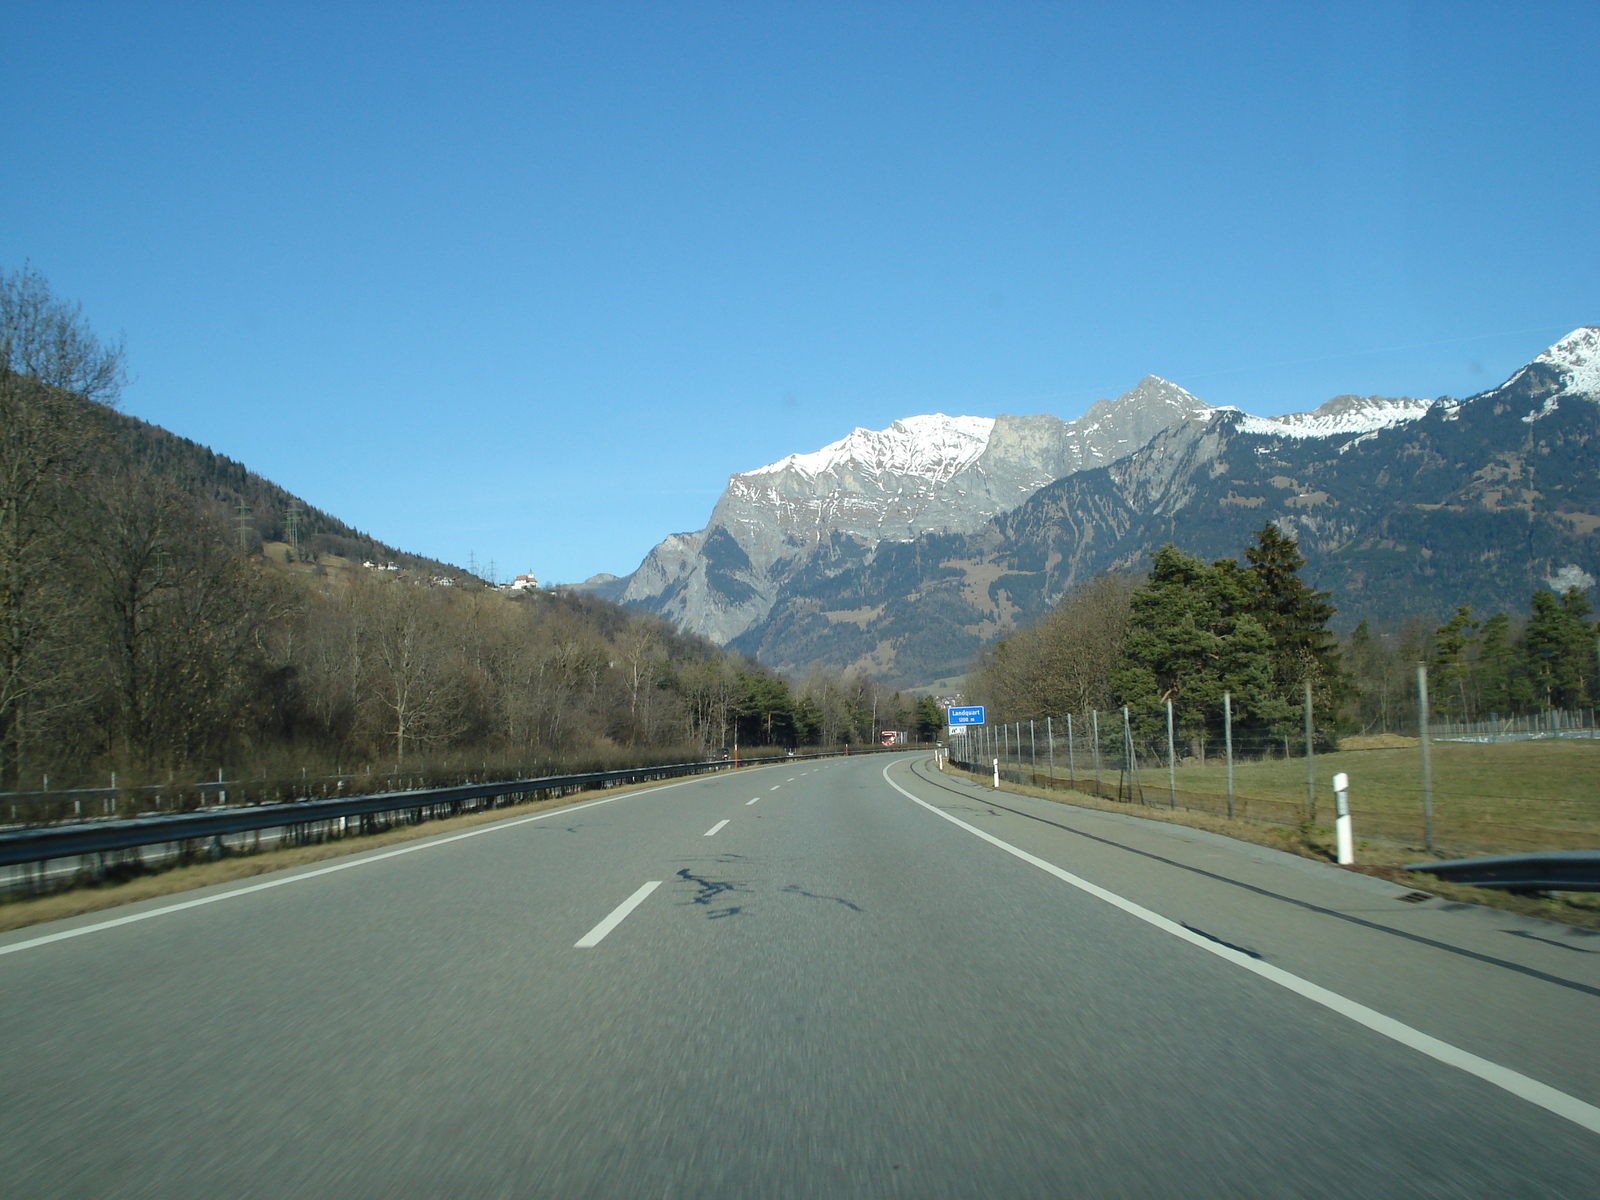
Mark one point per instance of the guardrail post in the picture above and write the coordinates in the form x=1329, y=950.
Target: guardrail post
x=1341, y=822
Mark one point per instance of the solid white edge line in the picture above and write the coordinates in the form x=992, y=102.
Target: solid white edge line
x=1577, y=1111
x=357, y=859
x=713, y=830
x=596, y=935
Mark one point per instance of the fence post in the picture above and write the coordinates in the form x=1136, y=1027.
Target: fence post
x=1172, y=767
x=1227, y=742
x=1095, y=722
x=1033, y=754
x=1072, y=758
x=1311, y=772
x=1427, y=761
x=1130, y=759
x=1050, y=750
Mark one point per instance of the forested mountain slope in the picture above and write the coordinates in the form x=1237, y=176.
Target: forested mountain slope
x=144, y=634
x=222, y=485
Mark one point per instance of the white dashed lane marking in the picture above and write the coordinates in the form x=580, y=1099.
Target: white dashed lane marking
x=596, y=935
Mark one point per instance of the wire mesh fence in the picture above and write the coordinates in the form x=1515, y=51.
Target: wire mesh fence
x=1497, y=785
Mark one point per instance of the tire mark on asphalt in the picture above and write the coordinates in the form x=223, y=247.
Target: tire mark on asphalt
x=800, y=891
x=710, y=890
x=1211, y=937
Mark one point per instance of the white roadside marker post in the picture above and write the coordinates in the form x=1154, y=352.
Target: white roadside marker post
x=1341, y=823
x=997, y=774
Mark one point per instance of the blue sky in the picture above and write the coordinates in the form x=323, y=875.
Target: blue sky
x=527, y=282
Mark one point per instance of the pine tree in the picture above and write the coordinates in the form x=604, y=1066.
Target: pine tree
x=1448, y=666
x=1557, y=642
x=1502, y=679
x=1191, y=636
x=1295, y=618
x=1581, y=647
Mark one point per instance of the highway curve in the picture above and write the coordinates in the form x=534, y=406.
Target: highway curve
x=852, y=978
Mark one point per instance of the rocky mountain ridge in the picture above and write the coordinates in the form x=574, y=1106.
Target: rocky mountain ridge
x=924, y=475
x=1403, y=507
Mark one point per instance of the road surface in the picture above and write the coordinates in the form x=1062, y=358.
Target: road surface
x=847, y=978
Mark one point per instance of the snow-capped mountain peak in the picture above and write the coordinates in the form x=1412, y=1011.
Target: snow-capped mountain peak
x=932, y=447
x=1577, y=357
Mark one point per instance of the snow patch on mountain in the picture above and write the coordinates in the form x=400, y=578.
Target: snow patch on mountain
x=1569, y=577
x=1340, y=417
x=932, y=447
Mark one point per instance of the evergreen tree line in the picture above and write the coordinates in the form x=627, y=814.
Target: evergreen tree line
x=139, y=632
x=1191, y=632
x=1494, y=667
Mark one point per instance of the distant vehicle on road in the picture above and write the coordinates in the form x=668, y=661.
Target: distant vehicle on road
x=893, y=737
x=721, y=755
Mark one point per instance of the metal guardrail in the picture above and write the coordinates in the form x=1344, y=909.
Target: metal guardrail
x=1541, y=871
x=42, y=844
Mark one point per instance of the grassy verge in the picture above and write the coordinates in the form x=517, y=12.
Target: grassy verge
x=72, y=901
x=1316, y=842
x=1487, y=799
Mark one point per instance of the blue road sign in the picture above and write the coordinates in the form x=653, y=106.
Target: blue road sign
x=970, y=715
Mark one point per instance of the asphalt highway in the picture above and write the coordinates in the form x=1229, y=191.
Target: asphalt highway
x=851, y=978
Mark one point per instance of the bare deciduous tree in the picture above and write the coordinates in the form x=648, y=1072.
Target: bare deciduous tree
x=52, y=370
x=1063, y=664
x=414, y=681
x=177, y=610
